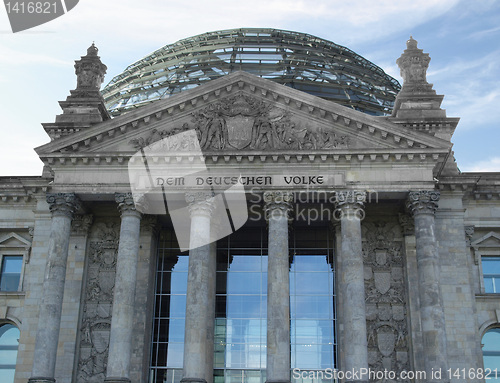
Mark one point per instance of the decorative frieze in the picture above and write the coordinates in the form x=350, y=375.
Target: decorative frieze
x=240, y=122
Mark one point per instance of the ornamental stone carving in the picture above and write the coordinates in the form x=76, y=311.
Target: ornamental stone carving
x=128, y=203
x=413, y=63
x=80, y=224
x=407, y=224
x=200, y=203
x=350, y=204
x=63, y=204
x=245, y=122
x=422, y=202
x=97, y=305
x=469, y=233
x=278, y=201
x=90, y=70
x=149, y=224
x=385, y=292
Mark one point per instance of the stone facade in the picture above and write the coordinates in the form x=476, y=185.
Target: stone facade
x=410, y=230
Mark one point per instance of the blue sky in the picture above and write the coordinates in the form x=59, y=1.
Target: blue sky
x=462, y=38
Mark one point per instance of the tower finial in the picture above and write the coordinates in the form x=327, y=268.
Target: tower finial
x=413, y=64
x=90, y=70
x=92, y=50
x=411, y=43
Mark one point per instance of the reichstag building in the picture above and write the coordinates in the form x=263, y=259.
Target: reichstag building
x=250, y=206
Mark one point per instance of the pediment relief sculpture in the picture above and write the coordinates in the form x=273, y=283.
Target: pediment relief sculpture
x=245, y=122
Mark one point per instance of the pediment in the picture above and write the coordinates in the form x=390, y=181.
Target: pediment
x=489, y=240
x=14, y=241
x=242, y=113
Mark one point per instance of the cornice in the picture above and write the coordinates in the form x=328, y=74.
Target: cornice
x=340, y=156
x=22, y=189
x=477, y=186
x=366, y=126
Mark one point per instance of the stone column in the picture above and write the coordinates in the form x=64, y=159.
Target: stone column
x=62, y=207
x=350, y=279
x=200, y=297
x=278, y=205
x=423, y=205
x=120, y=339
x=212, y=271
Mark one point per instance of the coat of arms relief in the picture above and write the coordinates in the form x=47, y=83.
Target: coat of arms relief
x=245, y=122
x=96, y=319
x=386, y=309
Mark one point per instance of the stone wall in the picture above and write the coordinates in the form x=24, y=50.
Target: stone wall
x=463, y=340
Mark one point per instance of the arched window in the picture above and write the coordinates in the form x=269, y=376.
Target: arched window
x=491, y=354
x=9, y=341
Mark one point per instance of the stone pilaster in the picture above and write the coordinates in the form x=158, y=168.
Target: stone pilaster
x=120, y=342
x=350, y=275
x=278, y=205
x=200, y=295
x=423, y=205
x=62, y=207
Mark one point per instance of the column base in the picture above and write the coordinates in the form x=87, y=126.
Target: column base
x=116, y=380
x=39, y=379
x=193, y=380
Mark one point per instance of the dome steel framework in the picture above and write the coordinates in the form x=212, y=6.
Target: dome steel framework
x=301, y=61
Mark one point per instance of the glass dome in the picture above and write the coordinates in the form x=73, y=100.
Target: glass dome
x=300, y=61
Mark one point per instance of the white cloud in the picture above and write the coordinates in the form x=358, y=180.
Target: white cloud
x=16, y=57
x=166, y=22
x=489, y=165
x=484, y=33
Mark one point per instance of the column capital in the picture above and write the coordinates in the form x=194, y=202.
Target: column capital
x=200, y=203
x=63, y=204
x=278, y=200
x=348, y=202
x=422, y=202
x=127, y=205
